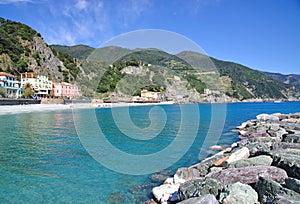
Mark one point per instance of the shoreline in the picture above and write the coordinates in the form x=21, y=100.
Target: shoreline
x=263, y=166
x=28, y=108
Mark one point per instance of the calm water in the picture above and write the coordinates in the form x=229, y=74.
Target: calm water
x=43, y=161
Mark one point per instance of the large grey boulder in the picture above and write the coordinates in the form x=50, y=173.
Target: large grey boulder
x=206, y=199
x=270, y=191
x=262, y=160
x=292, y=138
x=249, y=175
x=187, y=173
x=267, y=117
x=199, y=187
x=287, y=159
x=238, y=193
x=260, y=145
x=293, y=184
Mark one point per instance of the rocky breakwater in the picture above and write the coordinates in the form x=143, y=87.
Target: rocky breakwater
x=263, y=167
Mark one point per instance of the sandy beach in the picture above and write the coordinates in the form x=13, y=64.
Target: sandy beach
x=16, y=109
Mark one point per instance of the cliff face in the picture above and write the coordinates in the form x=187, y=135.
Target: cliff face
x=22, y=49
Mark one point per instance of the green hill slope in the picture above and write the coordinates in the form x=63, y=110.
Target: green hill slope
x=76, y=51
x=244, y=83
x=185, y=77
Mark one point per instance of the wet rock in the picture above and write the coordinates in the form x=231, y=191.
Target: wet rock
x=292, y=138
x=151, y=201
x=267, y=117
x=162, y=193
x=199, y=187
x=238, y=193
x=270, y=191
x=293, y=184
x=117, y=197
x=262, y=160
x=249, y=175
x=143, y=187
x=158, y=178
x=206, y=199
x=186, y=174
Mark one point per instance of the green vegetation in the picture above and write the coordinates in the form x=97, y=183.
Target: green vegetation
x=10, y=31
x=3, y=92
x=77, y=51
x=249, y=83
x=157, y=57
x=69, y=62
x=196, y=83
x=28, y=91
x=150, y=69
x=109, y=80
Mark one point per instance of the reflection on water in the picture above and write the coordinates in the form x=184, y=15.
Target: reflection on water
x=42, y=159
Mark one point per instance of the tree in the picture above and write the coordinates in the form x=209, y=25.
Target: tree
x=3, y=92
x=28, y=91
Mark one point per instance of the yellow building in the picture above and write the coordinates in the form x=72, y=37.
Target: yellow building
x=40, y=84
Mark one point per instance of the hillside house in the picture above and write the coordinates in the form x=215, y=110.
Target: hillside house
x=10, y=84
x=150, y=95
x=65, y=90
x=41, y=85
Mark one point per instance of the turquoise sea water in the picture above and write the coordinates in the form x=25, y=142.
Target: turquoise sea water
x=43, y=161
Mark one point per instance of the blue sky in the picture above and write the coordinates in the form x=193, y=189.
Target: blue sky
x=261, y=34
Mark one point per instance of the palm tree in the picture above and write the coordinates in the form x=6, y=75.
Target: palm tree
x=28, y=91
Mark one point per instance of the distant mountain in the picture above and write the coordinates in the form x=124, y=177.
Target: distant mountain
x=76, y=51
x=291, y=79
x=185, y=77
x=240, y=81
x=108, y=54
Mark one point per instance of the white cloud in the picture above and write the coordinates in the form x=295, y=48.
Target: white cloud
x=92, y=21
x=81, y=5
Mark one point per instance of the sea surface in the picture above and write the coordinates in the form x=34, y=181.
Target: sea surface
x=42, y=159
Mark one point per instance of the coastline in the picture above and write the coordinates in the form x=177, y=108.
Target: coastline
x=263, y=166
x=28, y=108
x=18, y=109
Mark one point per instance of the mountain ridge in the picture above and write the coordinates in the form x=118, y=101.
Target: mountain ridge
x=23, y=49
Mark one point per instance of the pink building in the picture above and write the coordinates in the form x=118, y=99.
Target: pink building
x=65, y=90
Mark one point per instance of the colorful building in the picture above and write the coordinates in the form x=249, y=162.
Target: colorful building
x=149, y=95
x=65, y=90
x=10, y=84
x=41, y=85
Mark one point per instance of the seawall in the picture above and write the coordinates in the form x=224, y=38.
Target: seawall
x=263, y=167
x=11, y=102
